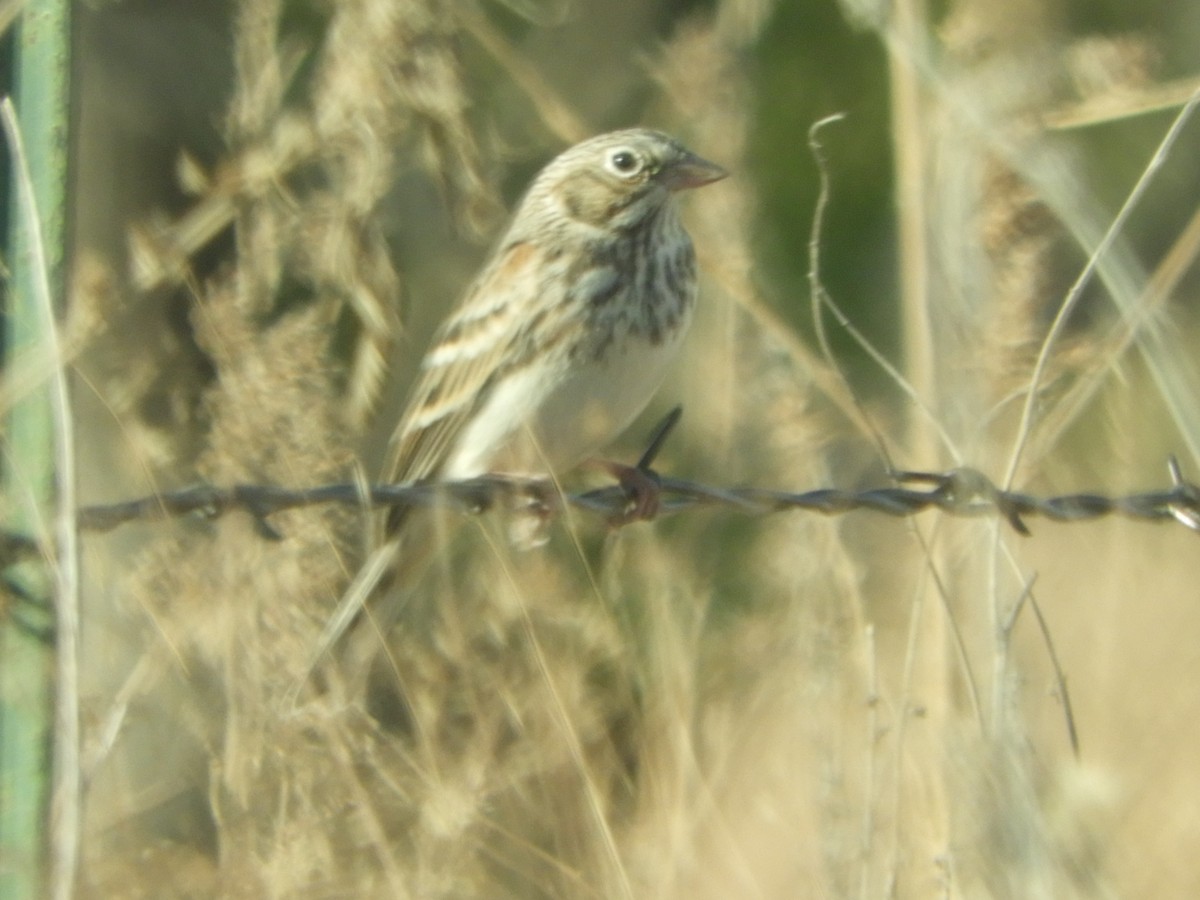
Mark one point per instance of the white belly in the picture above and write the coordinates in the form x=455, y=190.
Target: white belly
x=539, y=421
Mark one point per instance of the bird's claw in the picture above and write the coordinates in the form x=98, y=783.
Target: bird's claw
x=643, y=493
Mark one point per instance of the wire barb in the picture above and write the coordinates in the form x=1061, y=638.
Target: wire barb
x=658, y=438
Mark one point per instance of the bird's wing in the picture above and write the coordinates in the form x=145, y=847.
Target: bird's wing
x=470, y=350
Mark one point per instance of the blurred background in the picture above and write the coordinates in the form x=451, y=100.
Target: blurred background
x=272, y=203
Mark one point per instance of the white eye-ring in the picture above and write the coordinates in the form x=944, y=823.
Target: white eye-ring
x=624, y=162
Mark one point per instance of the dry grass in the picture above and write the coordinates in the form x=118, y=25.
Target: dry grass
x=694, y=708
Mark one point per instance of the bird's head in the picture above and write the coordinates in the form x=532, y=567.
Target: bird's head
x=617, y=179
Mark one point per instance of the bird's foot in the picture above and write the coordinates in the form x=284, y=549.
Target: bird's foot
x=643, y=492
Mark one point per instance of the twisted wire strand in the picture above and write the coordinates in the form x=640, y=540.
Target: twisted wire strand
x=958, y=492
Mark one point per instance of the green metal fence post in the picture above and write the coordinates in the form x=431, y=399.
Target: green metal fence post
x=41, y=80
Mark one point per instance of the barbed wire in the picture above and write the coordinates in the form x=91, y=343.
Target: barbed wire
x=958, y=492
x=641, y=493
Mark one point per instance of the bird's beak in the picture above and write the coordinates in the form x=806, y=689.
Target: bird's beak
x=691, y=171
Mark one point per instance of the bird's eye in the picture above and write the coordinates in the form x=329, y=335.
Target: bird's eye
x=623, y=162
